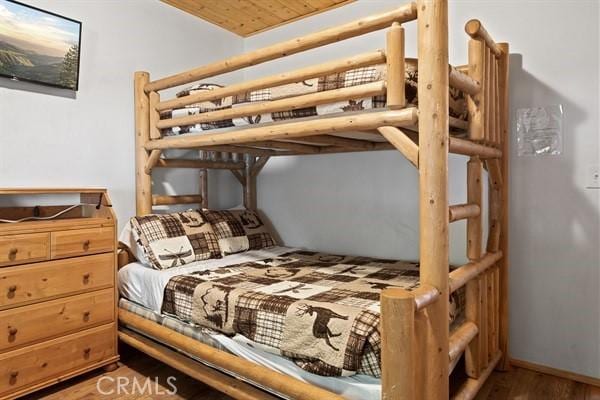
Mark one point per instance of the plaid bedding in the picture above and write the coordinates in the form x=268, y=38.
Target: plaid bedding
x=359, y=76
x=320, y=310
x=176, y=239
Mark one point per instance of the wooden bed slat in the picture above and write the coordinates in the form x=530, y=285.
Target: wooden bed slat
x=164, y=200
x=193, y=163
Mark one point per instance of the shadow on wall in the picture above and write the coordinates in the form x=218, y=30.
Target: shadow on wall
x=554, y=234
x=224, y=191
x=37, y=88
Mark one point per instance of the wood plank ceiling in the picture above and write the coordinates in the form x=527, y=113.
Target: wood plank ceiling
x=247, y=17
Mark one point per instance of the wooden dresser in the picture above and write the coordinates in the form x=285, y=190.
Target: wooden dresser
x=57, y=291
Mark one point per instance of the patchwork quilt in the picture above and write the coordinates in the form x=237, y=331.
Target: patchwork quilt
x=359, y=76
x=320, y=310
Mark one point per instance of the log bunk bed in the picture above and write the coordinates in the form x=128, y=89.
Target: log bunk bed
x=418, y=351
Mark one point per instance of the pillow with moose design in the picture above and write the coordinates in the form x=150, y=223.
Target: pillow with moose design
x=173, y=240
x=239, y=230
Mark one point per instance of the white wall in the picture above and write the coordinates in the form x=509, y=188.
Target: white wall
x=353, y=203
x=52, y=139
x=367, y=203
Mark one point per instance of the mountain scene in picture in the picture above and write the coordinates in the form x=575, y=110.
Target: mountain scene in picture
x=38, y=46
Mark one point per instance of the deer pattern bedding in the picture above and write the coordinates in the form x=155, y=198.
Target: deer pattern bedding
x=350, y=78
x=320, y=310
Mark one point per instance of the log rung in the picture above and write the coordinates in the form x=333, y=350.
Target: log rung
x=463, y=274
x=475, y=29
x=461, y=81
x=460, y=339
x=425, y=295
x=463, y=211
x=164, y=200
x=469, y=148
x=471, y=387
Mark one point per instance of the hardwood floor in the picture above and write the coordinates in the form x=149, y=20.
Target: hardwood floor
x=518, y=384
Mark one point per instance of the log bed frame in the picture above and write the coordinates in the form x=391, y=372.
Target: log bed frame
x=418, y=352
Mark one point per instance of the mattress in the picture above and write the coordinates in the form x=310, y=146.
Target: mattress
x=265, y=285
x=355, y=77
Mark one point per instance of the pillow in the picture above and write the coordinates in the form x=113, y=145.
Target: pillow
x=171, y=240
x=131, y=240
x=239, y=230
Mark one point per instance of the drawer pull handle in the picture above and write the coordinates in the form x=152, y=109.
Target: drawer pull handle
x=86, y=352
x=13, y=377
x=86, y=278
x=13, y=332
x=86, y=245
x=11, y=290
x=12, y=253
x=86, y=316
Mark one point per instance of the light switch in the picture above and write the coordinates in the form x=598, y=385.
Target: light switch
x=593, y=177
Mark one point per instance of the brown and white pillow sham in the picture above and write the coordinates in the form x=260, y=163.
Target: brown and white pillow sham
x=172, y=240
x=239, y=230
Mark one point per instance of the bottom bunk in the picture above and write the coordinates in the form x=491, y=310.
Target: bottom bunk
x=168, y=305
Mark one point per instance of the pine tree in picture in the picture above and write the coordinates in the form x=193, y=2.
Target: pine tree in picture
x=69, y=67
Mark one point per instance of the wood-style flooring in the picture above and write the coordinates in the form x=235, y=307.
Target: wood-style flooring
x=517, y=384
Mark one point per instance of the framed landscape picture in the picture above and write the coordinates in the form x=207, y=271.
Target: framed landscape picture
x=38, y=46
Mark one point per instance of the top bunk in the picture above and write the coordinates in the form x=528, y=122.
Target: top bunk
x=366, y=102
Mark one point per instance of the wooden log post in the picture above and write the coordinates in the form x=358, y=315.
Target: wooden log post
x=143, y=180
x=503, y=265
x=250, y=198
x=433, y=89
x=488, y=96
x=203, y=174
x=154, y=115
x=395, y=66
x=397, y=344
x=474, y=289
x=475, y=103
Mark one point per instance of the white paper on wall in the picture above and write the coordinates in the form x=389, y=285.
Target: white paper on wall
x=540, y=131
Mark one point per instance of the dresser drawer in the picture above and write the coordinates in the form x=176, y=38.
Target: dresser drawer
x=47, y=360
x=81, y=242
x=22, y=325
x=26, y=284
x=20, y=249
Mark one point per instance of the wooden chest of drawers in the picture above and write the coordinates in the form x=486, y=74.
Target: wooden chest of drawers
x=57, y=294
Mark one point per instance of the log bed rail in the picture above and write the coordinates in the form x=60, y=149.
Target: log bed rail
x=418, y=350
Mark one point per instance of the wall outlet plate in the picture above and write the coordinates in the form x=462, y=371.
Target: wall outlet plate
x=593, y=177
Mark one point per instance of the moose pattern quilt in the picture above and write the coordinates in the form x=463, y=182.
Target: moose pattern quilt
x=359, y=76
x=320, y=310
